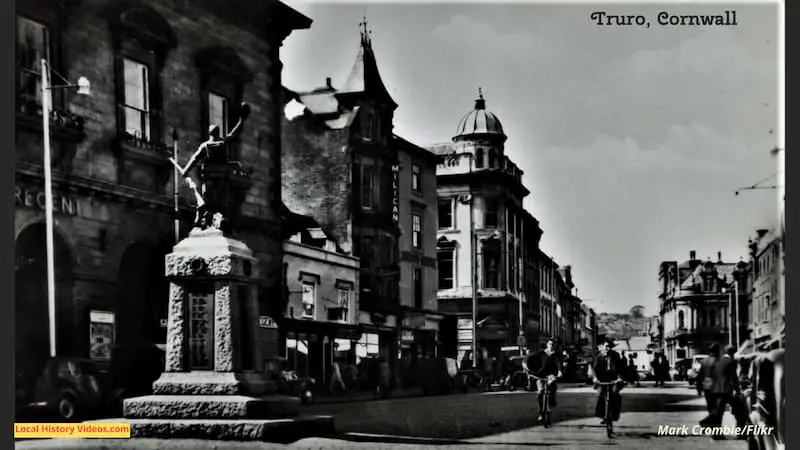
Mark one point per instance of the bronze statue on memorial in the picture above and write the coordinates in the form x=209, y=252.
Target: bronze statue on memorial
x=214, y=177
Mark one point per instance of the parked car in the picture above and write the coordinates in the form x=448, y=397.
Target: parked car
x=289, y=383
x=131, y=373
x=67, y=387
x=680, y=370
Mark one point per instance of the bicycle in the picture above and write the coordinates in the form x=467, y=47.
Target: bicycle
x=546, y=414
x=608, y=420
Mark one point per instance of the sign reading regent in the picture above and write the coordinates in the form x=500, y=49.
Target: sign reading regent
x=396, y=192
x=31, y=198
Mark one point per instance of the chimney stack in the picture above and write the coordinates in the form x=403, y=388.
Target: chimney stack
x=692, y=254
x=719, y=256
x=328, y=82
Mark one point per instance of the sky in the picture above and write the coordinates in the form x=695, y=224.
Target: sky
x=633, y=140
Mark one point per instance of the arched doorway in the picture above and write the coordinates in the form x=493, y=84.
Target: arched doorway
x=30, y=298
x=142, y=295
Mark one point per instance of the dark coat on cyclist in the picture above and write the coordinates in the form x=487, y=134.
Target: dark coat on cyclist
x=542, y=365
x=609, y=367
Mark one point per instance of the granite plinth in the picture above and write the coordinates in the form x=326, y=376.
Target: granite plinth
x=211, y=407
x=276, y=430
x=213, y=383
x=221, y=256
x=198, y=383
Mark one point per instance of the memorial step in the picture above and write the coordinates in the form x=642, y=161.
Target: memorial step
x=210, y=407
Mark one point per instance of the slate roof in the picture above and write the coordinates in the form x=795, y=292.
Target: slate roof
x=444, y=148
x=365, y=77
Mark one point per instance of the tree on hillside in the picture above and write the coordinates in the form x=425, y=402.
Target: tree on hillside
x=637, y=312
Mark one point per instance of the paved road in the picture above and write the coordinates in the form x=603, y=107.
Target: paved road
x=490, y=420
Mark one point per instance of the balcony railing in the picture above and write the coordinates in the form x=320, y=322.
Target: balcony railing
x=63, y=124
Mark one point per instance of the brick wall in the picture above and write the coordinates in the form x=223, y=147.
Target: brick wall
x=316, y=175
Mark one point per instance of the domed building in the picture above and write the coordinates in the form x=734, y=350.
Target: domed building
x=487, y=241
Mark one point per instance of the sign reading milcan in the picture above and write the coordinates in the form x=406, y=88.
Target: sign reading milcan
x=396, y=192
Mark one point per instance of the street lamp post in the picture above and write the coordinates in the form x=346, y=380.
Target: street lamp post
x=83, y=88
x=473, y=254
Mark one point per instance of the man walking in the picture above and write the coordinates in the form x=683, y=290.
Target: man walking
x=723, y=386
x=706, y=382
x=732, y=389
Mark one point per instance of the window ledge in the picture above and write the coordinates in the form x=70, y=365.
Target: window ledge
x=147, y=152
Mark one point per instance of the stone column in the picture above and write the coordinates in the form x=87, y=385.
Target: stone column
x=177, y=343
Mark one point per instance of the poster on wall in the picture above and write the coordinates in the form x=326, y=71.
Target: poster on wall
x=101, y=335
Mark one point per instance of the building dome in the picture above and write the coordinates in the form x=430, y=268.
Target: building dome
x=479, y=122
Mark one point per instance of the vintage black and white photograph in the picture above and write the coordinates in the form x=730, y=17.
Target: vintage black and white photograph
x=262, y=224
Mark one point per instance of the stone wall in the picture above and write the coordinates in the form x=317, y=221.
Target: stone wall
x=125, y=200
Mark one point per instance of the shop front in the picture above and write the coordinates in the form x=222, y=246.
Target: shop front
x=418, y=340
x=312, y=349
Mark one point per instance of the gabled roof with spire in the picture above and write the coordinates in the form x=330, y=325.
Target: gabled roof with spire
x=364, y=77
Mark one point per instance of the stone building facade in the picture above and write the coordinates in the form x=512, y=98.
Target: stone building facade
x=486, y=239
x=571, y=322
x=698, y=305
x=320, y=327
x=155, y=67
x=768, y=307
x=549, y=303
x=414, y=190
x=338, y=163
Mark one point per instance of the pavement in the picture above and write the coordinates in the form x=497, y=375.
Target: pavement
x=494, y=420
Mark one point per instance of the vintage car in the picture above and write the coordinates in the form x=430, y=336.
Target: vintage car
x=680, y=370
x=68, y=387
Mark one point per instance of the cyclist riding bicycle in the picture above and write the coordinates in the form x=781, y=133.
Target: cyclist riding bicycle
x=546, y=367
x=609, y=367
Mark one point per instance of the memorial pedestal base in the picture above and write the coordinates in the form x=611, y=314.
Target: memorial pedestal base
x=212, y=323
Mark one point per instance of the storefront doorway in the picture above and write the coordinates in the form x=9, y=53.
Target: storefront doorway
x=142, y=296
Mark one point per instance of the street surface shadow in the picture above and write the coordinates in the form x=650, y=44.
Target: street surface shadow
x=451, y=419
x=410, y=440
